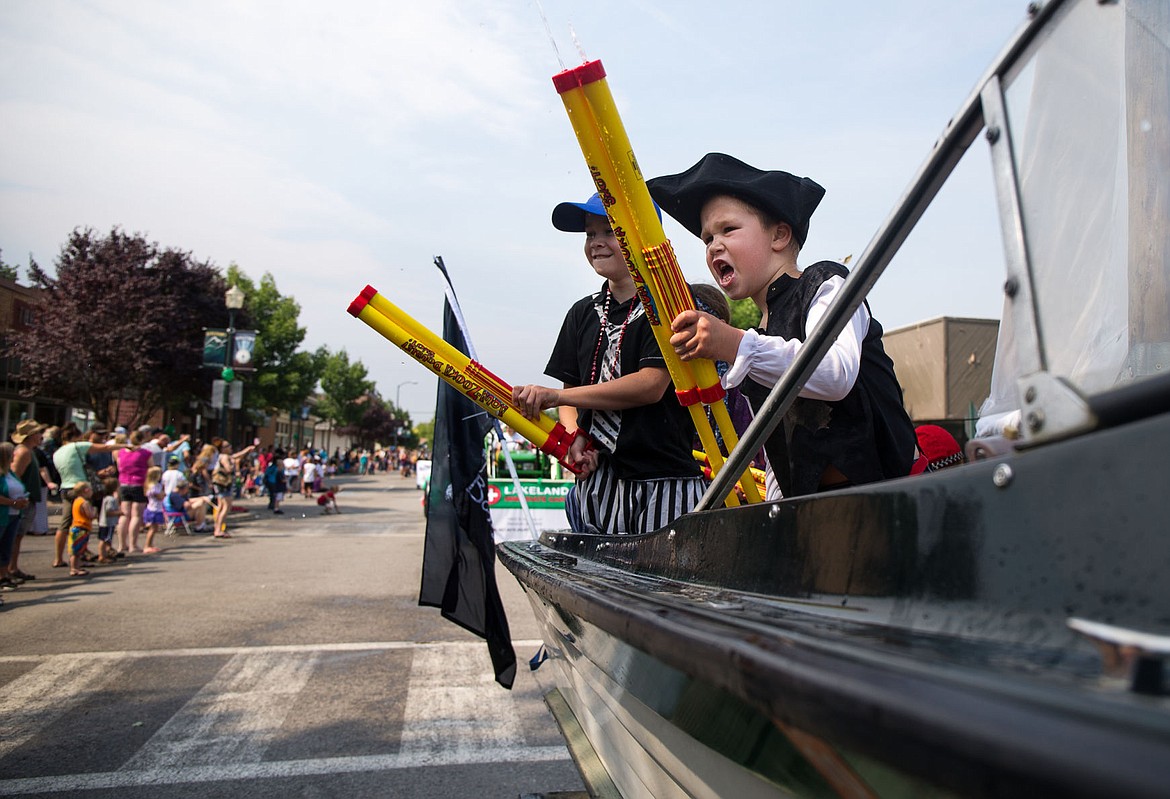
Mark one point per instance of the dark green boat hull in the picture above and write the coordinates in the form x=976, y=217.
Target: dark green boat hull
x=903, y=638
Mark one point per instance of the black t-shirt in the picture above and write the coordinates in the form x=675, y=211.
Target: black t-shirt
x=867, y=435
x=648, y=442
x=31, y=479
x=99, y=460
x=46, y=462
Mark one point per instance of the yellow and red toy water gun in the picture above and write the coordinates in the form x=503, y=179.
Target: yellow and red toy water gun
x=758, y=475
x=648, y=255
x=460, y=372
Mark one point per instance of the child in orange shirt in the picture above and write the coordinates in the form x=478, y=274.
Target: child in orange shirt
x=83, y=515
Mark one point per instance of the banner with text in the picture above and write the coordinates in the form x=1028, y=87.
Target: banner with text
x=546, y=501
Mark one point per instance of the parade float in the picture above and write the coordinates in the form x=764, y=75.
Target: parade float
x=993, y=629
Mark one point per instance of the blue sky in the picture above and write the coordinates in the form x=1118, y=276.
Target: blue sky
x=347, y=143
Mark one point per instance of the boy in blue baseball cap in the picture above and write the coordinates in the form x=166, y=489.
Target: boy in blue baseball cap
x=638, y=474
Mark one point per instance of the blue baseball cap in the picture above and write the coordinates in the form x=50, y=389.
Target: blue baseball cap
x=570, y=217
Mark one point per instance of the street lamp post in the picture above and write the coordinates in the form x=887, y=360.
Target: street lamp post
x=398, y=408
x=233, y=298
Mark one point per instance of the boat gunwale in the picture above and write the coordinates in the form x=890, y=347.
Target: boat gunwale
x=947, y=726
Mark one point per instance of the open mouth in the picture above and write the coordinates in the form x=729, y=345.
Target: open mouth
x=724, y=272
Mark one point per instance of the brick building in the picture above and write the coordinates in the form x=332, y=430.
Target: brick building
x=18, y=308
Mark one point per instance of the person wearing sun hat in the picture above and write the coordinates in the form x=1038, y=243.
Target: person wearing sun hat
x=13, y=500
x=26, y=469
x=848, y=426
x=637, y=471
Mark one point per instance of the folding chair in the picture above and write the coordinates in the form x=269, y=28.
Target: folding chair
x=173, y=521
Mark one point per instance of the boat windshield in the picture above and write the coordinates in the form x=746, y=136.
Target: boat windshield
x=1087, y=114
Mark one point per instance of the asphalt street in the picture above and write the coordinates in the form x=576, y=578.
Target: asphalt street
x=291, y=660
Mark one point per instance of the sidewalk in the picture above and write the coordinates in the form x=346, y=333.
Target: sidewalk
x=359, y=498
x=368, y=504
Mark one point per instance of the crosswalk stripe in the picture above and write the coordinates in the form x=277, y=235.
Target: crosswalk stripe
x=233, y=718
x=39, y=697
x=454, y=715
x=349, y=646
x=445, y=683
x=277, y=769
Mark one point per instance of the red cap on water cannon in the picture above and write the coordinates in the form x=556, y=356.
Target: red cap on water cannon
x=712, y=394
x=362, y=300
x=589, y=72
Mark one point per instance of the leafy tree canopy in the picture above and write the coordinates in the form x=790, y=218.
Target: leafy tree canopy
x=122, y=319
x=7, y=270
x=424, y=431
x=377, y=425
x=344, y=385
x=744, y=314
x=380, y=424
x=284, y=376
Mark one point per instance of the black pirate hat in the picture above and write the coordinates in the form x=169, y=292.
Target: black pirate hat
x=781, y=195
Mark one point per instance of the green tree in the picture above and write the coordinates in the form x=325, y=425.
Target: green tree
x=744, y=314
x=378, y=424
x=122, y=320
x=345, y=386
x=7, y=270
x=425, y=431
x=284, y=375
x=403, y=427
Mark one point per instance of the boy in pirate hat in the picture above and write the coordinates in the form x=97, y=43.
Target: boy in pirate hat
x=848, y=425
x=639, y=474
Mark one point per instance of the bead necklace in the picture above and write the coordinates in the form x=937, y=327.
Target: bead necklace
x=603, y=334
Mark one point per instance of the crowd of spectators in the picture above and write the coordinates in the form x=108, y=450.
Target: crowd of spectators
x=116, y=491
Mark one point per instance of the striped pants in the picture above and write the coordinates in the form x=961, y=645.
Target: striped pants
x=631, y=507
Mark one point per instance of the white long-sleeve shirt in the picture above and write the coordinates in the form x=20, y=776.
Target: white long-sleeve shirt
x=765, y=359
